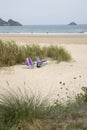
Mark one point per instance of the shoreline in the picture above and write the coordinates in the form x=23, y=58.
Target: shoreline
x=45, y=33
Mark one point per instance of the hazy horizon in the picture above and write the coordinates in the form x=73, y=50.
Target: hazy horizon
x=44, y=12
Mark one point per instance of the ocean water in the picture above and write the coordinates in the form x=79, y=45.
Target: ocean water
x=44, y=29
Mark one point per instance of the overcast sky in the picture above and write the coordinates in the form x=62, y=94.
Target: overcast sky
x=36, y=12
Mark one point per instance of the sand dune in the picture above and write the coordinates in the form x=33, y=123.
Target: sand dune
x=55, y=81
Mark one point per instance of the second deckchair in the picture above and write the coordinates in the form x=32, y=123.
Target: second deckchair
x=40, y=62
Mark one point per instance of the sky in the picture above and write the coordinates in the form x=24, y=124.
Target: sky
x=44, y=12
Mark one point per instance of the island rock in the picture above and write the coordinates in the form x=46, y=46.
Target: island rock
x=10, y=22
x=72, y=23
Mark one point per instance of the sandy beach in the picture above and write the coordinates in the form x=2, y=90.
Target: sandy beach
x=45, y=39
x=54, y=81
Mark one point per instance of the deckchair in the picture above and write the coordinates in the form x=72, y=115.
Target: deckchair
x=40, y=62
x=29, y=62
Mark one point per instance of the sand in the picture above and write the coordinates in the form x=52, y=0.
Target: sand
x=54, y=81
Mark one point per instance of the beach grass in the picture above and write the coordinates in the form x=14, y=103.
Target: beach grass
x=11, y=53
x=21, y=111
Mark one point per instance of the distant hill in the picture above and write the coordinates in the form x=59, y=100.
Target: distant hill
x=72, y=23
x=10, y=22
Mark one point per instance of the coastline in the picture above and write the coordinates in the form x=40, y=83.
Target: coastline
x=45, y=33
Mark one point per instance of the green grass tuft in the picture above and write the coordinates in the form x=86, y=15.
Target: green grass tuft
x=11, y=53
x=21, y=111
x=17, y=108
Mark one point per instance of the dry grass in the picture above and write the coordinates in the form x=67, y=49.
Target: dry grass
x=11, y=54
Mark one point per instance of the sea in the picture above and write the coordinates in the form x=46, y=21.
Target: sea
x=43, y=29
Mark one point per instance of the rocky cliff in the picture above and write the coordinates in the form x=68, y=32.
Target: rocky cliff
x=10, y=22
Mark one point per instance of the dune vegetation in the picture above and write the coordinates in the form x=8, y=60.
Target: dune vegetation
x=21, y=111
x=11, y=53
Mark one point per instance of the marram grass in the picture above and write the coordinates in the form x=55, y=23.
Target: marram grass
x=18, y=110
x=11, y=53
x=23, y=111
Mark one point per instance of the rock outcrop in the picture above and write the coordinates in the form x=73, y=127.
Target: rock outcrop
x=72, y=23
x=2, y=22
x=10, y=22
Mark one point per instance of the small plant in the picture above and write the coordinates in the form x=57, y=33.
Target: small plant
x=82, y=97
